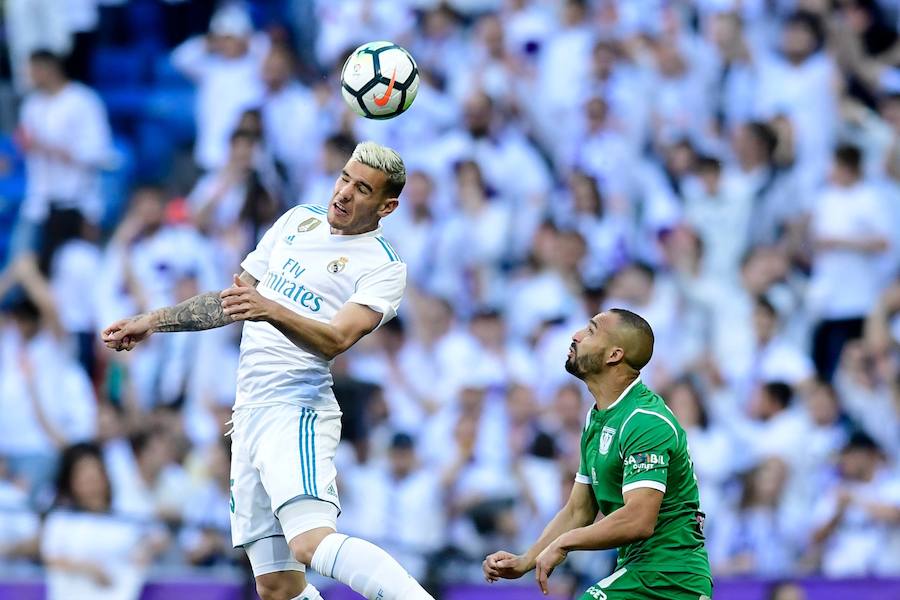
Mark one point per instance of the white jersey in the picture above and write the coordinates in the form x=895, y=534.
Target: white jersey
x=301, y=265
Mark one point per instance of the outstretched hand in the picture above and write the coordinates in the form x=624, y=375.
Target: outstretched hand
x=127, y=333
x=503, y=565
x=243, y=302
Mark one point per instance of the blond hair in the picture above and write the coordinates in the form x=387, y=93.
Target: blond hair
x=386, y=160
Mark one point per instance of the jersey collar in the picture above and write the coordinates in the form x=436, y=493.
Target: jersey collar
x=625, y=392
x=355, y=236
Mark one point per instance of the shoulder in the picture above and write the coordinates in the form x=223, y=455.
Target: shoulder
x=650, y=416
x=384, y=250
x=83, y=95
x=309, y=216
x=313, y=209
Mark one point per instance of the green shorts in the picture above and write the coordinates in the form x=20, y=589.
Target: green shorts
x=650, y=585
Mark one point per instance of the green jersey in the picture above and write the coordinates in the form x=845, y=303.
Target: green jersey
x=636, y=443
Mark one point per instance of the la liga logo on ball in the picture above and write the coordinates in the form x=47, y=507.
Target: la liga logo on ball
x=379, y=80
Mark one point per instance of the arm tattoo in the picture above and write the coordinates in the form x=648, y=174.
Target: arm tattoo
x=195, y=314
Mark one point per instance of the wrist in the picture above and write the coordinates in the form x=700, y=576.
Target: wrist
x=152, y=321
x=565, y=542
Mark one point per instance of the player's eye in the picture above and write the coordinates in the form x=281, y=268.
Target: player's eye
x=362, y=189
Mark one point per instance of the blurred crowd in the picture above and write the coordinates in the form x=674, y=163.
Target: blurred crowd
x=728, y=169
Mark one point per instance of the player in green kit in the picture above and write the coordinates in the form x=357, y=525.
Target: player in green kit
x=635, y=471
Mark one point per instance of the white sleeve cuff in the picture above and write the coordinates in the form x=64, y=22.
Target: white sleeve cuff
x=647, y=483
x=579, y=478
x=377, y=304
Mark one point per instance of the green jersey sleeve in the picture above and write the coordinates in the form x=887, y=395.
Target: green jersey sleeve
x=646, y=444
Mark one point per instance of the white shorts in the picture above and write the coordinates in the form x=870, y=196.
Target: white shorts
x=279, y=453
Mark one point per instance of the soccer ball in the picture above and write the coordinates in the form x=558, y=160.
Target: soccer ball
x=379, y=80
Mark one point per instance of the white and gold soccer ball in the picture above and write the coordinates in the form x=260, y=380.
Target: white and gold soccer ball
x=379, y=80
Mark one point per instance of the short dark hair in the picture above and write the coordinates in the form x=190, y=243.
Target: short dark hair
x=860, y=440
x=47, y=57
x=707, y=163
x=765, y=135
x=244, y=135
x=638, y=323
x=849, y=157
x=781, y=392
x=341, y=142
x=811, y=22
x=24, y=309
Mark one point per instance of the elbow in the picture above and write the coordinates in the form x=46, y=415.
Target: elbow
x=334, y=348
x=642, y=529
x=644, y=532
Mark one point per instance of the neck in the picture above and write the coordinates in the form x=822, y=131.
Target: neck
x=357, y=231
x=606, y=387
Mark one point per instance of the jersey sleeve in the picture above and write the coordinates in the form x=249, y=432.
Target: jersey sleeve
x=584, y=474
x=648, y=441
x=257, y=262
x=382, y=289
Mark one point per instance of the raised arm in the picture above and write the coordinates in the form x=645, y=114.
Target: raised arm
x=199, y=313
x=580, y=510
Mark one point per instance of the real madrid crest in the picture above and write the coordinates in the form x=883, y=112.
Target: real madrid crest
x=336, y=266
x=308, y=225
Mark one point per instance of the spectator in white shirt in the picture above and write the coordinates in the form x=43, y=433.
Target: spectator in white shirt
x=318, y=184
x=850, y=234
x=800, y=88
x=771, y=355
x=719, y=208
x=205, y=535
x=855, y=523
x=757, y=537
x=226, y=66
x=398, y=505
x=291, y=117
x=46, y=398
x=777, y=205
x=88, y=551
x=232, y=205
x=64, y=133
x=20, y=526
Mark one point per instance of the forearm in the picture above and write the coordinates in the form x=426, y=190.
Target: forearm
x=565, y=521
x=69, y=565
x=194, y=314
x=316, y=337
x=616, y=529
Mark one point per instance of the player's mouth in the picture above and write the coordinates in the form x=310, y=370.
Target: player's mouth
x=571, y=351
x=341, y=210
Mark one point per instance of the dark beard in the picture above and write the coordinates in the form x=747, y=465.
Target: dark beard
x=572, y=366
x=582, y=367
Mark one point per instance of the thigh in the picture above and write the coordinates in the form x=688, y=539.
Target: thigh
x=252, y=517
x=295, y=456
x=638, y=585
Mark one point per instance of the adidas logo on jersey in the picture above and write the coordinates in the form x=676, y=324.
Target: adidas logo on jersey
x=331, y=491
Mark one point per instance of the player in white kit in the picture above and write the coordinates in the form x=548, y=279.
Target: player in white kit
x=319, y=280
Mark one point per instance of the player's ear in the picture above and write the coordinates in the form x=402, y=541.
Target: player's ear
x=388, y=205
x=615, y=355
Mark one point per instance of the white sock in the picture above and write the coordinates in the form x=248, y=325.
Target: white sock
x=309, y=593
x=366, y=568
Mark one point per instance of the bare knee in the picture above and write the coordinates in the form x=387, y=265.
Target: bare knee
x=303, y=546
x=280, y=585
